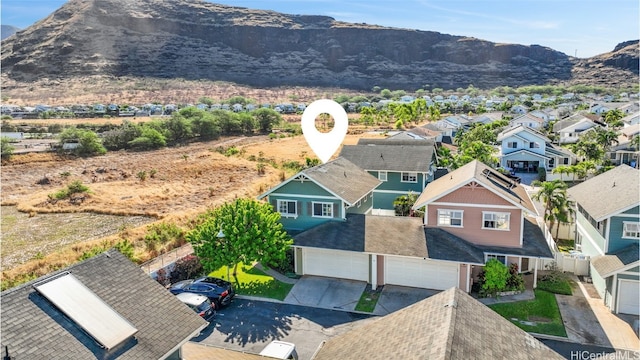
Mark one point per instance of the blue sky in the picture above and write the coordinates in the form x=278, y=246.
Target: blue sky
x=576, y=27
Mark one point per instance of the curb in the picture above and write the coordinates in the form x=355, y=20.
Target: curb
x=553, y=337
x=276, y=301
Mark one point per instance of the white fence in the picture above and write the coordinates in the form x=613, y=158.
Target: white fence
x=575, y=263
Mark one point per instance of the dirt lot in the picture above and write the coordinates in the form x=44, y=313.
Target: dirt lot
x=185, y=182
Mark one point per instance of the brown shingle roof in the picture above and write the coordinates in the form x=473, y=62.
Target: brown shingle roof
x=448, y=325
x=607, y=265
x=485, y=176
x=608, y=193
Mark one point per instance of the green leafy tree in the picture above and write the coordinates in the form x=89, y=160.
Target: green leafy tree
x=386, y=93
x=403, y=204
x=150, y=138
x=434, y=113
x=247, y=122
x=266, y=119
x=242, y=231
x=444, y=158
x=367, y=115
x=178, y=128
x=229, y=123
x=496, y=275
x=474, y=150
x=6, y=148
x=89, y=142
x=205, y=100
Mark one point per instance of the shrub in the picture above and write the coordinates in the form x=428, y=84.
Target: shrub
x=6, y=148
x=232, y=150
x=73, y=188
x=495, y=277
x=163, y=233
x=142, y=175
x=261, y=168
x=186, y=268
x=126, y=248
x=515, y=282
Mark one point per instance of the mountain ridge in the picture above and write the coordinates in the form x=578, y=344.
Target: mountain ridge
x=201, y=40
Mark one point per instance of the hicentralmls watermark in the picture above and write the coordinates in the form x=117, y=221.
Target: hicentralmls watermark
x=589, y=355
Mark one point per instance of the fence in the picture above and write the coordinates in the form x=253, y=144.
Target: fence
x=166, y=259
x=575, y=263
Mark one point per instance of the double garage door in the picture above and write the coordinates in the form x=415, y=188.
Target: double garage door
x=336, y=263
x=429, y=274
x=628, y=297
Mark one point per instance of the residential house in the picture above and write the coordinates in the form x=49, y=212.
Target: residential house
x=448, y=325
x=570, y=129
x=488, y=218
x=105, y=307
x=631, y=119
x=488, y=118
x=624, y=151
x=528, y=120
x=523, y=149
x=545, y=115
x=608, y=230
x=322, y=193
x=402, y=166
x=484, y=208
x=519, y=109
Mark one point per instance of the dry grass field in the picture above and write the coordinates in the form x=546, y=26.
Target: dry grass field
x=41, y=235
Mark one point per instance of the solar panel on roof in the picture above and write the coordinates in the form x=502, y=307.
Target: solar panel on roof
x=87, y=310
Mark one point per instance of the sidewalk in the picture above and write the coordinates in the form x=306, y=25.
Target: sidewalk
x=619, y=332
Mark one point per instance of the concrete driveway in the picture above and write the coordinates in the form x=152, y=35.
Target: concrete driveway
x=341, y=294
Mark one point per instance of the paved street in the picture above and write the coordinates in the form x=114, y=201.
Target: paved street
x=249, y=325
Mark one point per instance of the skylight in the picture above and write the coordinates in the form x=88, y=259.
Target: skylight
x=87, y=310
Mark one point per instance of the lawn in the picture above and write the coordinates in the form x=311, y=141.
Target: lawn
x=557, y=286
x=253, y=282
x=540, y=315
x=368, y=300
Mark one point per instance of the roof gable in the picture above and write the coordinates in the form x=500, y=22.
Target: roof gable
x=448, y=325
x=32, y=327
x=483, y=175
x=339, y=177
x=516, y=130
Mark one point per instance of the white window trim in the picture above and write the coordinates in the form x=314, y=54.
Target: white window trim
x=624, y=230
x=313, y=209
x=382, y=175
x=495, y=256
x=450, y=217
x=409, y=174
x=484, y=213
x=287, y=215
x=514, y=143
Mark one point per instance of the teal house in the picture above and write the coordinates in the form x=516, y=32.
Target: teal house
x=401, y=166
x=326, y=192
x=608, y=230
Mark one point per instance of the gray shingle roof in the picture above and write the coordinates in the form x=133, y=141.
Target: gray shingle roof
x=343, y=178
x=405, y=236
x=403, y=138
x=534, y=243
x=33, y=328
x=448, y=325
x=608, y=193
x=609, y=264
x=389, y=157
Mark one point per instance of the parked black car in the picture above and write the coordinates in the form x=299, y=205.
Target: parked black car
x=217, y=290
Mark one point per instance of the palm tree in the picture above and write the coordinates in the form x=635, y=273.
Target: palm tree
x=551, y=193
x=612, y=118
x=563, y=212
x=561, y=169
x=606, y=137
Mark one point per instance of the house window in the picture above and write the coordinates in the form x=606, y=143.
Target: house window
x=382, y=175
x=287, y=208
x=450, y=218
x=501, y=258
x=495, y=220
x=409, y=177
x=631, y=230
x=534, y=145
x=324, y=210
x=512, y=145
x=565, y=161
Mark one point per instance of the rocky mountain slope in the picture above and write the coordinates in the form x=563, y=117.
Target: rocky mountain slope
x=200, y=40
x=7, y=30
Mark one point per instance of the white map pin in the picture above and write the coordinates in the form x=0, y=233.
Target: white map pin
x=324, y=144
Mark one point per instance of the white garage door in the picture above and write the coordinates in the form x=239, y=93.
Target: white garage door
x=336, y=263
x=428, y=274
x=629, y=297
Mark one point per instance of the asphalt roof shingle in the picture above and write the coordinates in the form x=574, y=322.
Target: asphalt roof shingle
x=609, y=264
x=448, y=325
x=608, y=193
x=415, y=158
x=33, y=328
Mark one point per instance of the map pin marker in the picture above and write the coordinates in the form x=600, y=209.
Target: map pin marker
x=324, y=145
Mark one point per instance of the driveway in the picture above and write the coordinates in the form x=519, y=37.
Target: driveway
x=341, y=294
